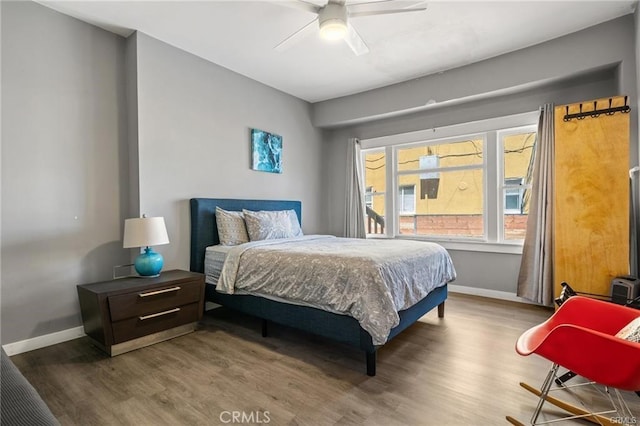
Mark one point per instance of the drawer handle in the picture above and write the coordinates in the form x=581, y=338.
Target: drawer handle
x=170, y=311
x=154, y=293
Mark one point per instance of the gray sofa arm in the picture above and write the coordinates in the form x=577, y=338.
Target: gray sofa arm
x=20, y=403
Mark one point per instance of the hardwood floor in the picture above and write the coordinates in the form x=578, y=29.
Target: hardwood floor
x=459, y=370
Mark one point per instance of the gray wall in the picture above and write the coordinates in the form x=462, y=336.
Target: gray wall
x=73, y=170
x=597, y=62
x=131, y=90
x=64, y=165
x=193, y=128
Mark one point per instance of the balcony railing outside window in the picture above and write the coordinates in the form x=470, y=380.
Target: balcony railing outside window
x=375, y=222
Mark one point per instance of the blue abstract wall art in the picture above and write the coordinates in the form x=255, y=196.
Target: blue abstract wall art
x=267, y=151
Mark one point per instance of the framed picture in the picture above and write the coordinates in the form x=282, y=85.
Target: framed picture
x=266, y=149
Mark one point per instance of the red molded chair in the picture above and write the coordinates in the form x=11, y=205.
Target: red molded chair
x=581, y=336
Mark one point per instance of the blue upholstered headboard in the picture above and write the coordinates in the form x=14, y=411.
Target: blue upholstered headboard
x=204, y=230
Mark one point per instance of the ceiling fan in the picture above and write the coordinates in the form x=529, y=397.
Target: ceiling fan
x=333, y=19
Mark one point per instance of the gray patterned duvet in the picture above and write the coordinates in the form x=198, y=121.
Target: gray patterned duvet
x=370, y=280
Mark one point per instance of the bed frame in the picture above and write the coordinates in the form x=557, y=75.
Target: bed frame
x=342, y=328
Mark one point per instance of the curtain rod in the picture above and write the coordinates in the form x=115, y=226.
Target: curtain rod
x=596, y=112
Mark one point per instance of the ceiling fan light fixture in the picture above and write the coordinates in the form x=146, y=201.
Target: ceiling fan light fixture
x=333, y=29
x=333, y=21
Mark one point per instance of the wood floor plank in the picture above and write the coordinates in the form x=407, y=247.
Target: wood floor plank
x=461, y=369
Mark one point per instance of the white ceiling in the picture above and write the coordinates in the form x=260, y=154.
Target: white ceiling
x=240, y=35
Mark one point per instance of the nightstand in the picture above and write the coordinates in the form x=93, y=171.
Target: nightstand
x=124, y=314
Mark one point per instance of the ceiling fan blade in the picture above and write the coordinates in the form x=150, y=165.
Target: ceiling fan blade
x=306, y=6
x=396, y=4
x=384, y=12
x=385, y=5
x=355, y=42
x=299, y=35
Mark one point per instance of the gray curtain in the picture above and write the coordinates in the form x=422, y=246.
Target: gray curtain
x=535, y=281
x=354, y=220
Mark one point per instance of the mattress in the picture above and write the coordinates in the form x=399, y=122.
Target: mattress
x=213, y=261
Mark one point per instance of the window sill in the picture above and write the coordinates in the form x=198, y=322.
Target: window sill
x=481, y=246
x=504, y=248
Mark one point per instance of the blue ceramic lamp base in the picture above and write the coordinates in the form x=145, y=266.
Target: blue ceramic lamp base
x=149, y=264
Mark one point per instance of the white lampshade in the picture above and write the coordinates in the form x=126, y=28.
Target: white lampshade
x=144, y=232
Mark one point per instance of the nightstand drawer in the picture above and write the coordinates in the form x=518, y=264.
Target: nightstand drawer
x=140, y=303
x=153, y=322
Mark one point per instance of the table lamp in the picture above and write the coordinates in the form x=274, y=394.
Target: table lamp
x=146, y=232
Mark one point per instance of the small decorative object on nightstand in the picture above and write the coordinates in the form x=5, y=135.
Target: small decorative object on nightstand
x=124, y=314
x=146, y=232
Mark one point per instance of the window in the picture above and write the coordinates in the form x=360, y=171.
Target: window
x=517, y=154
x=513, y=195
x=368, y=197
x=465, y=186
x=375, y=184
x=450, y=177
x=407, y=199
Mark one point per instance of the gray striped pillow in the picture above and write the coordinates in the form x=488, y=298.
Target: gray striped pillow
x=231, y=227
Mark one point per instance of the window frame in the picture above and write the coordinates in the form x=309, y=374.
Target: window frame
x=363, y=154
x=503, y=187
x=493, y=132
x=480, y=166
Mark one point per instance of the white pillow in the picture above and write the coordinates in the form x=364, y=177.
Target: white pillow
x=231, y=227
x=631, y=331
x=268, y=225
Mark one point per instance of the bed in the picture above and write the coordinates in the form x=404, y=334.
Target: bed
x=337, y=326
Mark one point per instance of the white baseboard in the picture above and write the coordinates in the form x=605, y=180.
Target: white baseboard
x=493, y=294
x=43, y=341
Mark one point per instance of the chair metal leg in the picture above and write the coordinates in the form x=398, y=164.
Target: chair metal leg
x=623, y=410
x=546, y=385
x=619, y=408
